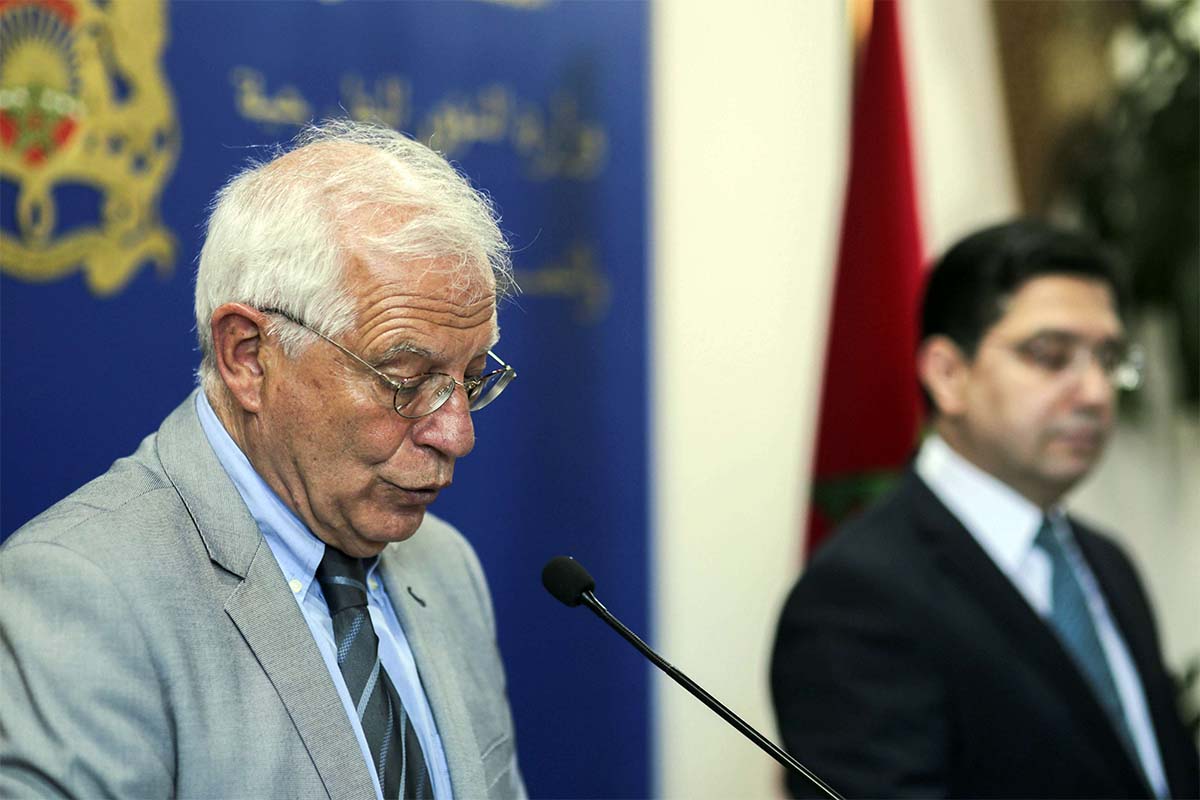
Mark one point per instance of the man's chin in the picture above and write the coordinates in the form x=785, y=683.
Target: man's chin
x=401, y=525
x=1069, y=472
x=1083, y=461
x=382, y=529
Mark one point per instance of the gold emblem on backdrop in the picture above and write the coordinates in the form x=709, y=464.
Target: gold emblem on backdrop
x=86, y=111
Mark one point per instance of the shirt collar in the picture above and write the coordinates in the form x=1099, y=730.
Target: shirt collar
x=296, y=549
x=996, y=515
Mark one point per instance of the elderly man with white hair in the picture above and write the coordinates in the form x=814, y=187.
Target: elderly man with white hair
x=255, y=603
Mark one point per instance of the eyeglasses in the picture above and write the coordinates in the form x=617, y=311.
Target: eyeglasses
x=1063, y=353
x=421, y=395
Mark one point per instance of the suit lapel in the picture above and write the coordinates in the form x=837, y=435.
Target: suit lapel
x=440, y=674
x=274, y=628
x=261, y=608
x=963, y=561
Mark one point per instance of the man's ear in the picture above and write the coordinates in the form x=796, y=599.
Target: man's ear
x=238, y=333
x=943, y=370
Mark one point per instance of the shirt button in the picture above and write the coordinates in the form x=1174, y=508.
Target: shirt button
x=295, y=586
x=374, y=584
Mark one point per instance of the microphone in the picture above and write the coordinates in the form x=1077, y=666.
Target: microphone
x=567, y=580
x=570, y=583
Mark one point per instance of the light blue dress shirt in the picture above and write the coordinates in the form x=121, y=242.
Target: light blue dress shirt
x=298, y=553
x=1005, y=524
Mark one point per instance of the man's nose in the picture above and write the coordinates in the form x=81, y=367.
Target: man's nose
x=1095, y=384
x=450, y=429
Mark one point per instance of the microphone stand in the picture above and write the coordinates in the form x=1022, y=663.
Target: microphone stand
x=589, y=599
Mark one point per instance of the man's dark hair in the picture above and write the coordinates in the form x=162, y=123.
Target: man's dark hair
x=968, y=288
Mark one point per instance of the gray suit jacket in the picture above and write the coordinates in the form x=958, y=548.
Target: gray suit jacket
x=150, y=647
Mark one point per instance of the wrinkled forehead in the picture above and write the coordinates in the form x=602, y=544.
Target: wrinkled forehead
x=430, y=268
x=377, y=280
x=470, y=287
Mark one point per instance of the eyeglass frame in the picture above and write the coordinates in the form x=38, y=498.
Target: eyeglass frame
x=1126, y=374
x=507, y=373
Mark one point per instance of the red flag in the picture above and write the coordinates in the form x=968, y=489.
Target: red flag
x=870, y=403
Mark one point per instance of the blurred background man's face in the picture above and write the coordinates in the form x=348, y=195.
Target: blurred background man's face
x=1033, y=423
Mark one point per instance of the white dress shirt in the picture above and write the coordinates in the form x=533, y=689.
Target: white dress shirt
x=1005, y=523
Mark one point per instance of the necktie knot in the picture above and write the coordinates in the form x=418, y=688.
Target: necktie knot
x=1048, y=541
x=343, y=580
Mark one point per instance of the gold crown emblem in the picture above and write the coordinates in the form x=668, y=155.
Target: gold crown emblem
x=86, y=113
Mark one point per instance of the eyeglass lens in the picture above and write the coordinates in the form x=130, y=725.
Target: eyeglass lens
x=423, y=395
x=1059, y=353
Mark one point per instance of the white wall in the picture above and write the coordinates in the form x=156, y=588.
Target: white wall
x=748, y=139
x=965, y=175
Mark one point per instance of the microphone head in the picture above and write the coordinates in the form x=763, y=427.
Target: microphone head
x=566, y=579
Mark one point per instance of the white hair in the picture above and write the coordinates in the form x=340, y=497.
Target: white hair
x=278, y=232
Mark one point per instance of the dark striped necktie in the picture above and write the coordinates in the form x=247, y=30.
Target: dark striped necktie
x=390, y=734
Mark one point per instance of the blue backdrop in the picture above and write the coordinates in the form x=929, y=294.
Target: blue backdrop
x=118, y=122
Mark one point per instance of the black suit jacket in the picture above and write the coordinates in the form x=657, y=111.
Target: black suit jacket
x=906, y=664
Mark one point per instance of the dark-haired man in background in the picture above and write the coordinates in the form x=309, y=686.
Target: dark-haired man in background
x=966, y=637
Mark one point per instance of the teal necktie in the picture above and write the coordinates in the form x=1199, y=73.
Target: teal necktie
x=1071, y=619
